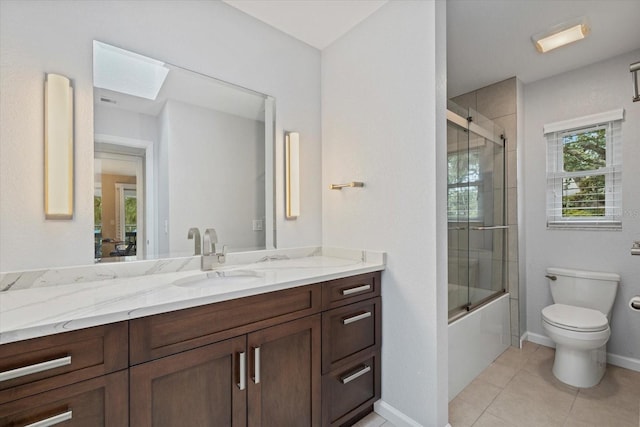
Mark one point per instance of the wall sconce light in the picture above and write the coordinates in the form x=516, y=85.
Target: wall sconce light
x=58, y=147
x=560, y=35
x=292, y=179
x=635, y=68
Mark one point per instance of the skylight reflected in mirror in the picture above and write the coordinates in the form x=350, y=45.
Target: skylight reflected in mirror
x=127, y=72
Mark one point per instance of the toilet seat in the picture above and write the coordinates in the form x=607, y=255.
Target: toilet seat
x=573, y=318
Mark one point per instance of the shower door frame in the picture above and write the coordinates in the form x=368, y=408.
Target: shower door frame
x=469, y=127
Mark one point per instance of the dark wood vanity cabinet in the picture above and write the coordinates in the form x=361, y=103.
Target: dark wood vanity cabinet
x=199, y=387
x=101, y=401
x=351, y=342
x=284, y=387
x=305, y=356
x=78, y=378
x=270, y=377
x=266, y=374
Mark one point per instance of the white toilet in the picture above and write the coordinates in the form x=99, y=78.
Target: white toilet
x=578, y=323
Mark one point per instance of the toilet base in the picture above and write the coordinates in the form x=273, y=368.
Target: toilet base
x=580, y=368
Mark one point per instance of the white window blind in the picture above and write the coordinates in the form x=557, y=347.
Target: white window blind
x=584, y=172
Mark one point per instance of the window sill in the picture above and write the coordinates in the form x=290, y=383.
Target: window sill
x=585, y=225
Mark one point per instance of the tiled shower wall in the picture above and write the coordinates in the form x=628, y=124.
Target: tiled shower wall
x=498, y=102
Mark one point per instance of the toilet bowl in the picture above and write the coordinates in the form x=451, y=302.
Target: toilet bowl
x=578, y=323
x=580, y=335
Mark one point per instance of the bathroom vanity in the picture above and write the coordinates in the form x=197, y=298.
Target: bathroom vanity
x=307, y=353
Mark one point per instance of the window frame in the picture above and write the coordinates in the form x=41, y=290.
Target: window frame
x=478, y=184
x=555, y=134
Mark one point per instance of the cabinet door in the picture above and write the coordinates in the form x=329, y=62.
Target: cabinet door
x=201, y=387
x=284, y=370
x=101, y=401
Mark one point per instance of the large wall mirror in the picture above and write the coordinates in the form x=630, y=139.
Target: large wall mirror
x=175, y=149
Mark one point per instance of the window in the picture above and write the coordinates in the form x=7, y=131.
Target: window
x=464, y=186
x=584, y=172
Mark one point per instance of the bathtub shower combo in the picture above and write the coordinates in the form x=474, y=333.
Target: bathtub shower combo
x=477, y=242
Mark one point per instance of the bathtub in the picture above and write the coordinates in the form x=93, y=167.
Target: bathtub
x=476, y=340
x=458, y=294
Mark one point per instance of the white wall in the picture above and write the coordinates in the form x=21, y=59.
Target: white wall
x=209, y=190
x=599, y=87
x=207, y=37
x=125, y=124
x=381, y=84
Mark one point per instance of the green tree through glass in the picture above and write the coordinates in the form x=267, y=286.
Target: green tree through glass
x=584, y=195
x=130, y=213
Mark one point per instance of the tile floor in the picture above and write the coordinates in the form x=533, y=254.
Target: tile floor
x=373, y=420
x=519, y=390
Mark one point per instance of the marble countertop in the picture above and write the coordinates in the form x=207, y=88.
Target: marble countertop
x=53, y=306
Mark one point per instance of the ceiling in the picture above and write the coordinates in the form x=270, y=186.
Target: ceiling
x=487, y=40
x=316, y=22
x=490, y=40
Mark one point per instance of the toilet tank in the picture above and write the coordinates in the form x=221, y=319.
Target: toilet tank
x=590, y=289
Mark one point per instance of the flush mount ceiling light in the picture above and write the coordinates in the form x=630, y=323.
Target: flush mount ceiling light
x=560, y=35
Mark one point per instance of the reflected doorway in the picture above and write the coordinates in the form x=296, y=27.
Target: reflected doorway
x=119, y=224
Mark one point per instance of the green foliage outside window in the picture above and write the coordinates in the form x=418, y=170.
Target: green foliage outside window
x=584, y=196
x=130, y=214
x=97, y=213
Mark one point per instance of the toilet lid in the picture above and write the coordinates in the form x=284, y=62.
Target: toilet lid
x=575, y=318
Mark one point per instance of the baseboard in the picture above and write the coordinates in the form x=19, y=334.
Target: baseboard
x=623, y=362
x=524, y=337
x=539, y=339
x=393, y=415
x=613, y=359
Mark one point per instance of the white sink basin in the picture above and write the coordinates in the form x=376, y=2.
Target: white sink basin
x=218, y=278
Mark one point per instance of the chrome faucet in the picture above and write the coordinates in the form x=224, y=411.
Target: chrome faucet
x=194, y=233
x=211, y=258
x=209, y=241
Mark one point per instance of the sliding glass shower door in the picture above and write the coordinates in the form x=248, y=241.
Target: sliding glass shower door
x=475, y=209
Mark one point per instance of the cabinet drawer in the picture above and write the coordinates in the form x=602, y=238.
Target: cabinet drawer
x=336, y=293
x=170, y=333
x=346, y=392
x=101, y=401
x=40, y=364
x=348, y=330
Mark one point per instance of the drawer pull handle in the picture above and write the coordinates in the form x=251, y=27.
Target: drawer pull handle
x=51, y=421
x=32, y=369
x=256, y=365
x=350, y=377
x=242, y=361
x=356, y=318
x=356, y=290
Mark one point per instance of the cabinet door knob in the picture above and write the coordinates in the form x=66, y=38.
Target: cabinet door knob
x=352, y=376
x=51, y=421
x=356, y=290
x=356, y=318
x=256, y=365
x=242, y=362
x=32, y=369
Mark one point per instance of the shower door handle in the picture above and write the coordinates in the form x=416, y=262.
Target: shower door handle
x=492, y=227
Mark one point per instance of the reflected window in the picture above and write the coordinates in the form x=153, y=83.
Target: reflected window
x=464, y=186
